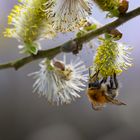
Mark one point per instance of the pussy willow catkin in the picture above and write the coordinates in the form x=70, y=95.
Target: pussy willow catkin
x=30, y=21
x=114, y=7
x=112, y=57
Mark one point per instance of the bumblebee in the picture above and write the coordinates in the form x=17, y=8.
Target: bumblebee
x=101, y=93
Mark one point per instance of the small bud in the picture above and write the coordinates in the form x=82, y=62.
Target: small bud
x=123, y=6
x=110, y=6
x=116, y=34
x=77, y=49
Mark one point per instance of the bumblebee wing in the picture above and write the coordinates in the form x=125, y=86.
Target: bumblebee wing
x=115, y=101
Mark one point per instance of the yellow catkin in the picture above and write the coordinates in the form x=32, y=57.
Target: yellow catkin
x=111, y=57
x=29, y=21
x=112, y=6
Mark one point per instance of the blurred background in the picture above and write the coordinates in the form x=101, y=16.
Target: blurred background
x=26, y=116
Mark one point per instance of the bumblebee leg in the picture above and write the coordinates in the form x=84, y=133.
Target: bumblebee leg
x=94, y=76
x=116, y=81
x=92, y=106
x=93, y=82
x=111, y=82
x=95, y=108
x=89, y=85
x=103, y=80
x=108, y=88
x=117, y=102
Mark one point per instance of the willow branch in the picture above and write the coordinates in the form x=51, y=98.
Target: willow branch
x=69, y=46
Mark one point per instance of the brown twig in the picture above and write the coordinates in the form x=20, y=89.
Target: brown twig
x=69, y=46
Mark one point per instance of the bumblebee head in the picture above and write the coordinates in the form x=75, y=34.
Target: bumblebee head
x=95, y=84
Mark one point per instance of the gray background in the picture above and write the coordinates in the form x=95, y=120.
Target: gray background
x=26, y=116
